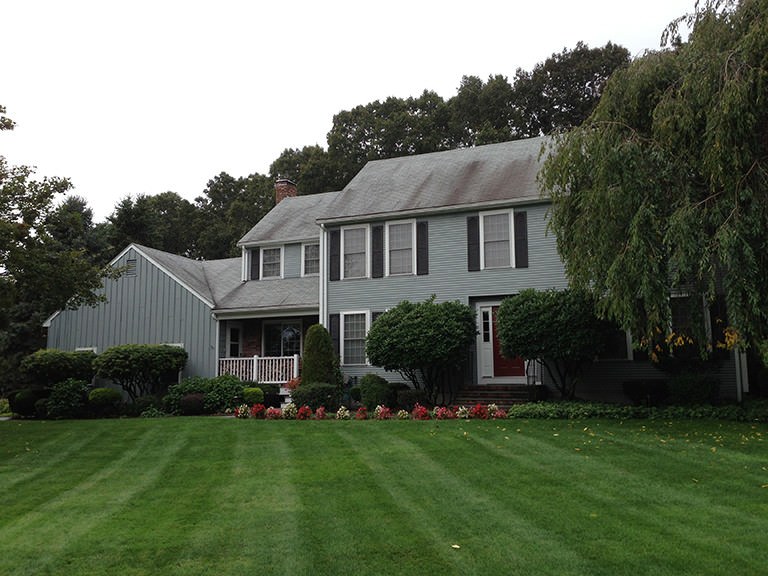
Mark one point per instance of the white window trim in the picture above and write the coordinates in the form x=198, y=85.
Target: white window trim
x=413, y=247
x=261, y=262
x=511, y=222
x=366, y=257
x=342, y=330
x=303, y=259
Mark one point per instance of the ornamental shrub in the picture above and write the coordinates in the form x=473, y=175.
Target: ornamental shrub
x=49, y=366
x=68, y=399
x=691, y=388
x=427, y=343
x=5, y=406
x=320, y=362
x=23, y=401
x=315, y=395
x=375, y=391
x=104, y=402
x=193, y=385
x=192, y=404
x=223, y=393
x=253, y=395
x=141, y=369
x=409, y=397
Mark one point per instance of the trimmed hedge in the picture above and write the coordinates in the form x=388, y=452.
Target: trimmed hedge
x=104, y=402
x=253, y=396
x=315, y=395
x=141, y=369
x=376, y=391
x=220, y=394
x=49, y=366
x=68, y=399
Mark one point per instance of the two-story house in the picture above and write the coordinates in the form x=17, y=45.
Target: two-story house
x=467, y=225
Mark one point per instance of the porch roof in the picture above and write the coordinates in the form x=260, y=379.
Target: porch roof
x=260, y=296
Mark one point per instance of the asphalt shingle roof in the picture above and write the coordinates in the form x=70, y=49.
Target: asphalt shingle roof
x=456, y=178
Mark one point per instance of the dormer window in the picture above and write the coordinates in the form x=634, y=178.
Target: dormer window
x=271, y=262
x=265, y=263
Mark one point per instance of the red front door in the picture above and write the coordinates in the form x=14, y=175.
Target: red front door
x=504, y=366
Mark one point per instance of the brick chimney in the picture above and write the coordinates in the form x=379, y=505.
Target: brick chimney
x=283, y=189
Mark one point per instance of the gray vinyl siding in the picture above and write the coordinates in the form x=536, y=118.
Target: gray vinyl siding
x=449, y=278
x=150, y=308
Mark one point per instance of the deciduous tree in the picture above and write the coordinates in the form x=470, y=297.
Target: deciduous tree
x=665, y=188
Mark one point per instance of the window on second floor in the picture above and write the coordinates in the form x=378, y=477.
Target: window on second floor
x=400, y=253
x=497, y=239
x=311, y=259
x=271, y=262
x=354, y=243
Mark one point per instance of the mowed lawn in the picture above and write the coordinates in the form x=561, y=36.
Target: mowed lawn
x=225, y=496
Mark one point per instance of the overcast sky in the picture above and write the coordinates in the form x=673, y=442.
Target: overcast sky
x=144, y=97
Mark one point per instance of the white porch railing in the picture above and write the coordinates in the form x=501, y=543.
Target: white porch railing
x=262, y=369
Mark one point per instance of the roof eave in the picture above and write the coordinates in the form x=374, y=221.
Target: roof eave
x=416, y=212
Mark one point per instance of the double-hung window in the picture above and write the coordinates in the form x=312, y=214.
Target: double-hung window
x=354, y=327
x=497, y=239
x=354, y=246
x=271, y=263
x=495, y=232
x=400, y=252
x=311, y=259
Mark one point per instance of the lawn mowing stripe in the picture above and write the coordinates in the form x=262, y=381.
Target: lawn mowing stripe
x=257, y=496
x=629, y=496
x=446, y=505
x=76, y=513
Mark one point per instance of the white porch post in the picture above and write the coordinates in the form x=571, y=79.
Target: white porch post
x=295, y=366
x=255, y=368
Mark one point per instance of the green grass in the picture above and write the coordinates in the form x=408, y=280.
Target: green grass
x=224, y=496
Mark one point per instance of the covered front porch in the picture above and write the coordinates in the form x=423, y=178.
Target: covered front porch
x=263, y=350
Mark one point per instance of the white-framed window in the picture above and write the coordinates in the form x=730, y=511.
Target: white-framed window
x=310, y=261
x=354, y=327
x=234, y=339
x=354, y=252
x=496, y=240
x=272, y=262
x=400, y=247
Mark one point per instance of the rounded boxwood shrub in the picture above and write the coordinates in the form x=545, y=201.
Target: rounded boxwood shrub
x=104, y=401
x=253, y=396
x=375, y=391
x=47, y=367
x=68, y=399
x=192, y=404
x=223, y=393
x=23, y=401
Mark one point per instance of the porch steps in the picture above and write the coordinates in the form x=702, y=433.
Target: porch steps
x=503, y=395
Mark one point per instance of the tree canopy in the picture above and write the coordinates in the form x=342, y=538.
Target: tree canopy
x=664, y=189
x=558, y=328
x=426, y=342
x=43, y=268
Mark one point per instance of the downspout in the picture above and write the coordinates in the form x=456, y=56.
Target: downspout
x=323, y=292
x=216, y=344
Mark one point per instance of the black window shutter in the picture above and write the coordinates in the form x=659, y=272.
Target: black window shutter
x=473, y=243
x=422, y=247
x=334, y=260
x=377, y=251
x=334, y=329
x=254, y=264
x=521, y=239
x=375, y=315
